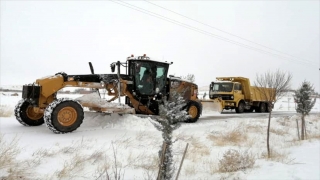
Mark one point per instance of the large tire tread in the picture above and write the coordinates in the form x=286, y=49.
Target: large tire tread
x=199, y=110
x=262, y=108
x=50, y=115
x=22, y=117
x=268, y=109
x=240, y=108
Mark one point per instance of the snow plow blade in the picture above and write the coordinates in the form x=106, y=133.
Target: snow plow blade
x=214, y=105
x=95, y=103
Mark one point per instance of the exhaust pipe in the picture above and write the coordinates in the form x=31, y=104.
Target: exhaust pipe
x=92, y=72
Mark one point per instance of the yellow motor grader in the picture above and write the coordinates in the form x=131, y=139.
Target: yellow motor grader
x=143, y=86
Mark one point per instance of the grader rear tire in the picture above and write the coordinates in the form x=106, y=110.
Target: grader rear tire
x=64, y=116
x=194, y=110
x=26, y=115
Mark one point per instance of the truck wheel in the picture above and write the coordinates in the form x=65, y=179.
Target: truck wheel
x=26, y=115
x=262, y=108
x=268, y=109
x=194, y=110
x=240, y=108
x=63, y=116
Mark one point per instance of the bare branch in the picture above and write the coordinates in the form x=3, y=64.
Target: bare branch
x=273, y=85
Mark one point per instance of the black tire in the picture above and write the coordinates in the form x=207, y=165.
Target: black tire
x=262, y=108
x=194, y=109
x=26, y=116
x=240, y=108
x=64, y=115
x=268, y=109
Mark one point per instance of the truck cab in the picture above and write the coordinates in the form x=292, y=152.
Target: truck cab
x=228, y=91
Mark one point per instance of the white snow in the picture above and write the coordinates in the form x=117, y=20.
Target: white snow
x=136, y=144
x=94, y=98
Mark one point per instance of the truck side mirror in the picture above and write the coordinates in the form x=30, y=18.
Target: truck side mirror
x=113, y=67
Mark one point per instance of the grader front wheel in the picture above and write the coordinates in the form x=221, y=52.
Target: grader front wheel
x=26, y=115
x=63, y=116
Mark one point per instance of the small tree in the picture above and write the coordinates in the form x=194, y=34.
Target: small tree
x=170, y=114
x=272, y=86
x=304, y=103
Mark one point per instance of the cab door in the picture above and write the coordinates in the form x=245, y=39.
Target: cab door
x=238, y=95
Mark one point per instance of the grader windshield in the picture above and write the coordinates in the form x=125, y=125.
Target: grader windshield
x=149, y=76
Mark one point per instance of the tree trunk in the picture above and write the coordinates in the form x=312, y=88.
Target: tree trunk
x=298, y=129
x=161, y=168
x=305, y=130
x=302, y=127
x=268, y=134
x=167, y=166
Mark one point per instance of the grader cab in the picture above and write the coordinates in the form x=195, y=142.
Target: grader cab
x=143, y=86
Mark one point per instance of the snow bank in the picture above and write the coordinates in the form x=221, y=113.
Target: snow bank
x=304, y=165
x=95, y=99
x=115, y=121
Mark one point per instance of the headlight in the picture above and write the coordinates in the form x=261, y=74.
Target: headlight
x=231, y=97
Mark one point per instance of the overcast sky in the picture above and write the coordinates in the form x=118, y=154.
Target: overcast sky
x=204, y=38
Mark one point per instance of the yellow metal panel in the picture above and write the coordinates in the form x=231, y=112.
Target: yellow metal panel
x=212, y=104
x=262, y=94
x=50, y=85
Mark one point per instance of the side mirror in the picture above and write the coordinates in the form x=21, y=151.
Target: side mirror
x=113, y=67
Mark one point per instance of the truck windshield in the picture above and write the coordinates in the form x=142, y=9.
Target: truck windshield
x=222, y=87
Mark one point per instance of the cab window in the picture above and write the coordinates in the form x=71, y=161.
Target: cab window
x=161, y=78
x=237, y=87
x=144, y=78
x=175, y=84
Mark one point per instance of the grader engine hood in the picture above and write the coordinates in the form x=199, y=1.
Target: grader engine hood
x=187, y=89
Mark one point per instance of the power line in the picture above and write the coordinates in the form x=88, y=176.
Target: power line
x=227, y=32
x=202, y=31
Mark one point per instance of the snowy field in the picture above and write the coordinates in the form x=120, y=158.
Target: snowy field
x=128, y=146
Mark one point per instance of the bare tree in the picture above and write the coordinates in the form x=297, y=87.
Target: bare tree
x=272, y=86
x=304, y=103
x=189, y=77
x=170, y=114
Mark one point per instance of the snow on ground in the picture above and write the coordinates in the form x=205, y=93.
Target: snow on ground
x=131, y=144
